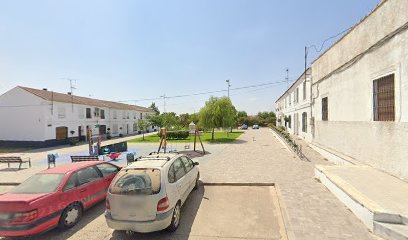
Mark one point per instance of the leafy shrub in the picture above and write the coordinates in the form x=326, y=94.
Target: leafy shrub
x=183, y=134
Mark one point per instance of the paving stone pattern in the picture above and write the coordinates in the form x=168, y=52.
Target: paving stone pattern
x=312, y=212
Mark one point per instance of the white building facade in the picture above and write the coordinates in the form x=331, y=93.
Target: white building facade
x=293, y=108
x=360, y=91
x=38, y=118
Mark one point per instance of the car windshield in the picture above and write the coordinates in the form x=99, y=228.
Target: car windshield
x=136, y=182
x=39, y=183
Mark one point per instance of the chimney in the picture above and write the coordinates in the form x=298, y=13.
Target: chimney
x=45, y=89
x=69, y=93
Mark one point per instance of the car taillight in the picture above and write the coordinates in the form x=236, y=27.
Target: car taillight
x=107, y=204
x=25, y=216
x=163, y=204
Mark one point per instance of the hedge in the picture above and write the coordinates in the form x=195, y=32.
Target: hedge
x=181, y=134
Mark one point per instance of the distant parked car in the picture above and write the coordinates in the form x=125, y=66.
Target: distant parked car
x=147, y=195
x=244, y=127
x=255, y=127
x=54, y=197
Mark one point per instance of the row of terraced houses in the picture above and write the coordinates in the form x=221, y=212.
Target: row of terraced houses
x=39, y=118
x=351, y=105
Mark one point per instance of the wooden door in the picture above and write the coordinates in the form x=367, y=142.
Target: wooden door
x=61, y=133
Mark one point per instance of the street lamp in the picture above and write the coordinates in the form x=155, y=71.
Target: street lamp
x=229, y=85
x=164, y=102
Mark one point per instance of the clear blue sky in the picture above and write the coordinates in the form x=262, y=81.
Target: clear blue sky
x=122, y=50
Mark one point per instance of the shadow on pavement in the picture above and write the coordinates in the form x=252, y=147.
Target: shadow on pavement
x=12, y=169
x=188, y=214
x=195, y=154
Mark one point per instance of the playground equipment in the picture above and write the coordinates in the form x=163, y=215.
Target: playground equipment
x=163, y=141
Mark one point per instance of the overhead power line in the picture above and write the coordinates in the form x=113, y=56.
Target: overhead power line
x=204, y=93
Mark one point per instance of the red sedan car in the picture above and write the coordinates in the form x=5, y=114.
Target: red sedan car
x=54, y=197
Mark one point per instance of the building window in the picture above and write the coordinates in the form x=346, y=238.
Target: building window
x=81, y=113
x=123, y=115
x=88, y=113
x=304, y=90
x=134, y=127
x=384, y=99
x=325, y=109
x=296, y=95
x=102, y=114
x=290, y=99
x=304, y=122
x=115, y=114
x=61, y=112
x=141, y=115
x=290, y=121
x=127, y=115
x=97, y=112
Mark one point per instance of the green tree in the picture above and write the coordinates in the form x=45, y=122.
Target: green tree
x=218, y=113
x=143, y=124
x=155, y=108
x=266, y=118
x=156, y=120
x=185, y=120
x=242, y=117
x=170, y=120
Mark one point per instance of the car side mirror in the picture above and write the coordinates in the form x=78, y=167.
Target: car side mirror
x=196, y=163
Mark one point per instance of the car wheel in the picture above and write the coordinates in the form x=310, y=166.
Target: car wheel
x=70, y=216
x=197, y=182
x=175, y=220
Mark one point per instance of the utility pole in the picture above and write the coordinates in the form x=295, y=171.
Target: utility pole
x=229, y=85
x=311, y=93
x=287, y=78
x=164, y=102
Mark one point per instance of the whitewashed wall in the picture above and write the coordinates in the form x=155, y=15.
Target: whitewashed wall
x=22, y=123
x=351, y=129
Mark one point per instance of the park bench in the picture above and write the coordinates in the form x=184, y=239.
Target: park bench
x=84, y=158
x=19, y=160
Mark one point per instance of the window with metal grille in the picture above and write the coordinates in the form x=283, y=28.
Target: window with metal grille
x=384, y=99
x=304, y=122
x=325, y=109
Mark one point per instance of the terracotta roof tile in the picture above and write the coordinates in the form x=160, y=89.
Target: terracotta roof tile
x=66, y=98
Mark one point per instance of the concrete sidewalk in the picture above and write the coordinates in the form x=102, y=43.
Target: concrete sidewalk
x=38, y=157
x=378, y=199
x=310, y=210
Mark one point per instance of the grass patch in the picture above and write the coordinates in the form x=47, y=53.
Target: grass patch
x=220, y=137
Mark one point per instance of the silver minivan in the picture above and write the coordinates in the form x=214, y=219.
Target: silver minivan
x=147, y=195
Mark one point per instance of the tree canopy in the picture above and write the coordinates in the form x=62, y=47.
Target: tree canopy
x=218, y=113
x=155, y=108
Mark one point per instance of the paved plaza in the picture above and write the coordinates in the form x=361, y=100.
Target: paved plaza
x=307, y=209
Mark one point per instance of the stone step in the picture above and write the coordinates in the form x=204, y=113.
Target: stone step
x=391, y=231
x=377, y=199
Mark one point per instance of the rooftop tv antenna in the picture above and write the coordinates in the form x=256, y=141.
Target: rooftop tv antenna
x=71, y=86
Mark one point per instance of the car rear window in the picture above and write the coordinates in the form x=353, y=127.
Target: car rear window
x=136, y=182
x=39, y=183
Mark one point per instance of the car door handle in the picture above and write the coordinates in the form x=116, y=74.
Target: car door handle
x=83, y=190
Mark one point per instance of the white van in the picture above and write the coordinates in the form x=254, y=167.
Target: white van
x=147, y=195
